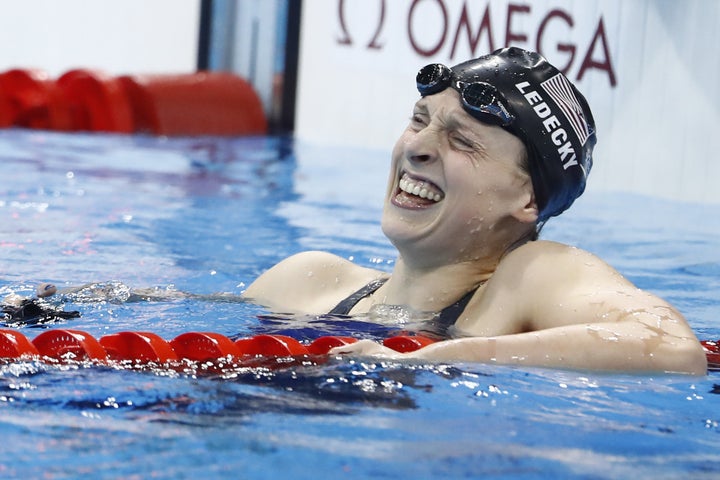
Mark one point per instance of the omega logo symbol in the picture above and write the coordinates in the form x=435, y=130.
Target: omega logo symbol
x=346, y=38
x=551, y=31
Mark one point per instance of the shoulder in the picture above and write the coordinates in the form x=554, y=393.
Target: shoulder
x=544, y=284
x=544, y=259
x=309, y=282
x=311, y=259
x=548, y=271
x=559, y=285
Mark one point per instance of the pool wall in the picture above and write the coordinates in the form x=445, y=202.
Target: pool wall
x=116, y=36
x=646, y=67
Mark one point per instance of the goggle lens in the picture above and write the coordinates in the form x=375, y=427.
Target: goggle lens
x=433, y=78
x=481, y=100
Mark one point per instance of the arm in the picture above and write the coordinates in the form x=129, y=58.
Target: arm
x=551, y=306
x=625, y=346
x=622, y=346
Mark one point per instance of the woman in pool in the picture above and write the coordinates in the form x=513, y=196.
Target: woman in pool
x=495, y=147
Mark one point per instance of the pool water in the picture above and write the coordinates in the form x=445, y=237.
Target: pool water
x=206, y=216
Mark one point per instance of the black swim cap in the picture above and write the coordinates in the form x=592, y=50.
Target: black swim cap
x=521, y=92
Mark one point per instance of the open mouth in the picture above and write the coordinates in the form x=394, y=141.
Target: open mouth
x=415, y=192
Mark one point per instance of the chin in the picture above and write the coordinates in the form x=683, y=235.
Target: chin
x=402, y=226
x=394, y=225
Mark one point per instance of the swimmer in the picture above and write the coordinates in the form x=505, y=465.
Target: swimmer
x=16, y=310
x=494, y=148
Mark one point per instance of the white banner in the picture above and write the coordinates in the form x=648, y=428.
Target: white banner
x=649, y=70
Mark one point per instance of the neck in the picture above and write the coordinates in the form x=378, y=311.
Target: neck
x=432, y=288
x=428, y=281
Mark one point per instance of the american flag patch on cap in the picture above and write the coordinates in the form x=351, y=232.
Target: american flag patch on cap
x=560, y=90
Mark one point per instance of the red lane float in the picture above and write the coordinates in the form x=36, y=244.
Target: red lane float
x=203, y=346
x=322, y=345
x=212, y=103
x=95, y=102
x=147, y=347
x=201, y=103
x=407, y=343
x=32, y=100
x=67, y=345
x=15, y=345
x=271, y=346
x=138, y=346
x=712, y=351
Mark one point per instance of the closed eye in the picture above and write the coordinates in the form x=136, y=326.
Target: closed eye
x=418, y=121
x=462, y=142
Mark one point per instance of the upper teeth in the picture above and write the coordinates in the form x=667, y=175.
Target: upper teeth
x=419, y=188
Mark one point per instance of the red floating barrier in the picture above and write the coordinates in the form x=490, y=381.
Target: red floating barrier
x=322, y=345
x=259, y=350
x=33, y=100
x=96, y=102
x=202, y=346
x=139, y=346
x=204, y=103
x=271, y=346
x=6, y=111
x=712, y=351
x=407, y=343
x=69, y=345
x=15, y=345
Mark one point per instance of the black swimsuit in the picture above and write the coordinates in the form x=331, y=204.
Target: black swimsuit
x=440, y=324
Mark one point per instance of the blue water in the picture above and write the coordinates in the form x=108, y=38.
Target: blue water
x=206, y=216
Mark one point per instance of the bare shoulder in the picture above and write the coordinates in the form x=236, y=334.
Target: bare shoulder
x=309, y=282
x=544, y=260
x=551, y=274
x=564, y=285
x=545, y=284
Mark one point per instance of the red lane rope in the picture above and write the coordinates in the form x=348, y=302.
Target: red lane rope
x=199, y=103
x=712, y=351
x=146, y=347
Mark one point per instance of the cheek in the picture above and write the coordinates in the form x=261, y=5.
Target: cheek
x=474, y=217
x=486, y=197
x=399, y=148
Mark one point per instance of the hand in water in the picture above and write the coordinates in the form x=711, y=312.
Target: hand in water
x=367, y=348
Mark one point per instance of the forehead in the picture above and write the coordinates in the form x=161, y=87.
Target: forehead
x=447, y=107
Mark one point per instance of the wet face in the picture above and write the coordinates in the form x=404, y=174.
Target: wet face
x=454, y=182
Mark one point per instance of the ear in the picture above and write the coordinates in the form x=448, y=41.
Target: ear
x=528, y=212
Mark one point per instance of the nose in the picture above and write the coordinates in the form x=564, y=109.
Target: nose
x=422, y=146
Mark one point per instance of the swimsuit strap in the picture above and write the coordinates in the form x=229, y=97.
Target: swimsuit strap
x=344, y=307
x=440, y=324
x=447, y=317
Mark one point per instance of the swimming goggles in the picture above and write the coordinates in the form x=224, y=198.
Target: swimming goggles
x=480, y=99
